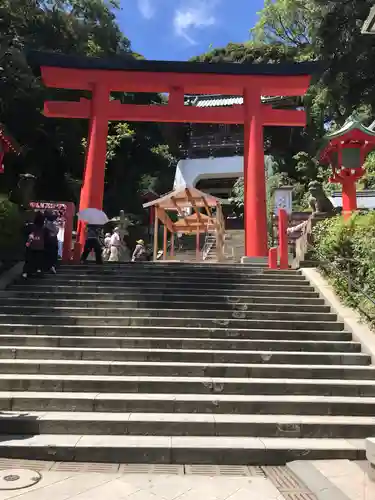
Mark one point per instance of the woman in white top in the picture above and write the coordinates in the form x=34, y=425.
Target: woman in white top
x=107, y=246
x=115, y=245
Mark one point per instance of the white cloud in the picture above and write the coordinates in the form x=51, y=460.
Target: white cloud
x=195, y=14
x=146, y=8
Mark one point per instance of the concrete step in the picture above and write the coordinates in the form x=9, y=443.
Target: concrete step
x=212, y=404
x=177, y=449
x=98, y=383
x=186, y=424
x=166, y=331
x=39, y=288
x=183, y=355
x=217, y=271
x=168, y=265
x=192, y=369
x=240, y=313
x=46, y=303
x=180, y=321
x=190, y=281
x=162, y=276
x=307, y=346
x=275, y=296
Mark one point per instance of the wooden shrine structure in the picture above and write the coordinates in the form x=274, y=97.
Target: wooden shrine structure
x=183, y=201
x=104, y=77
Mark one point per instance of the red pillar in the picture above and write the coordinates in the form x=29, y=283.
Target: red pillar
x=197, y=245
x=172, y=244
x=165, y=243
x=349, y=196
x=255, y=210
x=283, y=239
x=93, y=182
x=272, y=258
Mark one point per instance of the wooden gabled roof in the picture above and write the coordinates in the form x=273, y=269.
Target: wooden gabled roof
x=186, y=197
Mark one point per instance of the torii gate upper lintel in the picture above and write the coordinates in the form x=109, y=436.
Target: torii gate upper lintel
x=103, y=76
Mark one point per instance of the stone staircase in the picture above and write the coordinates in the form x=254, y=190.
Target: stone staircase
x=179, y=363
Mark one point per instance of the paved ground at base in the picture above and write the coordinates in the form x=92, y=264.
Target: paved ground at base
x=328, y=479
x=93, y=486
x=77, y=481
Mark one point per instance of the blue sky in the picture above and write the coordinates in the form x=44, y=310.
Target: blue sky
x=180, y=29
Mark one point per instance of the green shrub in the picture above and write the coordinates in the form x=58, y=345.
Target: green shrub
x=348, y=247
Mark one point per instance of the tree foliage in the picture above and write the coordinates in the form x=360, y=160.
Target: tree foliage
x=347, y=248
x=329, y=32
x=52, y=148
x=289, y=22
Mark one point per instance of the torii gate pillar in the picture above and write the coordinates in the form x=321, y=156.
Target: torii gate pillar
x=255, y=206
x=93, y=179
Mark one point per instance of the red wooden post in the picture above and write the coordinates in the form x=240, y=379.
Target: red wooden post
x=151, y=216
x=172, y=244
x=255, y=210
x=272, y=258
x=165, y=242
x=93, y=183
x=349, y=197
x=68, y=229
x=283, y=239
x=197, y=244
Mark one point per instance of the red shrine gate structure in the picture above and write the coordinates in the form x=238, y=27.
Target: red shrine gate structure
x=125, y=74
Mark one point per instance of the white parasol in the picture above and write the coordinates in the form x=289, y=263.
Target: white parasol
x=93, y=216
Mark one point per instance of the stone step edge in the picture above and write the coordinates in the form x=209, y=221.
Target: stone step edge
x=208, y=320
x=57, y=441
x=210, y=418
x=206, y=340
x=60, y=280
x=166, y=309
x=313, y=296
x=185, y=397
x=177, y=364
x=177, y=277
x=177, y=328
x=209, y=381
x=126, y=285
x=183, y=351
x=115, y=305
x=165, y=292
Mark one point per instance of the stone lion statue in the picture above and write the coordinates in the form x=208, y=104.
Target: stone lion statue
x=318, y=199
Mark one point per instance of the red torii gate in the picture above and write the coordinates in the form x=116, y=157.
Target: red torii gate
x=125, y=74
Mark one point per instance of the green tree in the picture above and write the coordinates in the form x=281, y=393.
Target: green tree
x=52, y=148
x=288, y=22
x=347, y=56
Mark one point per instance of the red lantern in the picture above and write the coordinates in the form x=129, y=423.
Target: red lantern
x=346, y=153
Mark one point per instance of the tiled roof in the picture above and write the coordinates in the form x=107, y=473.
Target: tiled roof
x=215, y=101
x=365, y=199
x=219, y=101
